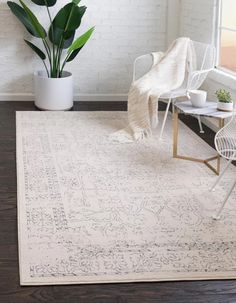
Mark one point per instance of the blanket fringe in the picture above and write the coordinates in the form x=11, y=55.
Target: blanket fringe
x=127, y=136
x=154, y=121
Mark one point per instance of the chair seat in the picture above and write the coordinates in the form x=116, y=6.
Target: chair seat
x=181, y=92
x=226, y=146
x=229, y=155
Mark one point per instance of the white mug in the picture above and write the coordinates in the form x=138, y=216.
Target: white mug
x=198, y=98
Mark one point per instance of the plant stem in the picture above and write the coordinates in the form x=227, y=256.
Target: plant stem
x=59, y=63
x=53, y=62
x=58, y=56
x=59, y=59
x=60, y=49
x=64, y=63
x=47, y=48
x=46, y=68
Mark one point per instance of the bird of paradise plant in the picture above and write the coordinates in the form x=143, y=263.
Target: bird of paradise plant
x=60, y=35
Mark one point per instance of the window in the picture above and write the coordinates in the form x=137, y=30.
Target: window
x=227, y=36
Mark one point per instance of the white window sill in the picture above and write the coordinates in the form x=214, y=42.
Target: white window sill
x=224, y=78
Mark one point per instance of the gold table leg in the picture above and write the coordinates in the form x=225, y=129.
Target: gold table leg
x=175, y=146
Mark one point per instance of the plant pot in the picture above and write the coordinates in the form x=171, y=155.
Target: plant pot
x=198, y=98
x=225, y=107
x=53, y=93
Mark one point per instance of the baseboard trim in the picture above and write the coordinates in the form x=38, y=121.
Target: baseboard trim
x=16, y=97
x=77, y=97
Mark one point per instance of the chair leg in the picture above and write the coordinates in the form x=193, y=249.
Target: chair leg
x=173, y=108
x=221, y=176
x=165, y=118
x=217, y=217
x=200, y=125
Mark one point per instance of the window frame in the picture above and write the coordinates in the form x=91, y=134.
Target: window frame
x=218, y=32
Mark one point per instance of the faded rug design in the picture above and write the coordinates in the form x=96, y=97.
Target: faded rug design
x=95, y=211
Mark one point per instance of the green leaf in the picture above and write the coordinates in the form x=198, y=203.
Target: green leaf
x=81, y=41
x=36, y=50
x=69, y=17
x=73, y=54
x=34, y=21
x=19, y=12
x=59, y=37
x=47, y=3
x=68, y=39
x=76, y=1
x=64, y=25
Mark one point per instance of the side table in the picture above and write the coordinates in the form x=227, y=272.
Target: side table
x=210, y=111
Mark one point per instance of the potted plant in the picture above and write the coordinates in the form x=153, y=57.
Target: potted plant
x=225, y=102
x=54, y=85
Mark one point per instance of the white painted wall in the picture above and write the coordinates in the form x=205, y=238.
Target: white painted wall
x=103, y=70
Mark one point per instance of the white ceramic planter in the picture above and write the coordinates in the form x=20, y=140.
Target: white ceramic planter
x=226, y=107
x=53, y=93
x=198, y=98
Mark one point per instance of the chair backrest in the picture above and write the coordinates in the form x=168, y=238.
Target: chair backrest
x=205, y=55
x=225, y=139
x=205, y=59
x=205, y=62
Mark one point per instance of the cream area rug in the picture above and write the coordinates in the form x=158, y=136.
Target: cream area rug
x=91, y=210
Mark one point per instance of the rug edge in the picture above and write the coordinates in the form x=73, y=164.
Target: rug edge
x=138, y=280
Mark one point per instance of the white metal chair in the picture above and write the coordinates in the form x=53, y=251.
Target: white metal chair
x=205, y=55
x=225, y=142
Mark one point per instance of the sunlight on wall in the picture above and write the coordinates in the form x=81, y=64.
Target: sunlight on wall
x=228, y=38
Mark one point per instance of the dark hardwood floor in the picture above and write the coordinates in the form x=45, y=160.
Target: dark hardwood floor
x=10, y=290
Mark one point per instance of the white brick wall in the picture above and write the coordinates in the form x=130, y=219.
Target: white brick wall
x=197, y=23
x=197, y=19
x=124, y=30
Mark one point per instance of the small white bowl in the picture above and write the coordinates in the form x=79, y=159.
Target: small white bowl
x=198, y=98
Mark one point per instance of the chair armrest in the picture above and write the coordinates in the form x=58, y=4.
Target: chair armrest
x=200, y=72
x=141, y=57
x=198, y=77
x=135, y=63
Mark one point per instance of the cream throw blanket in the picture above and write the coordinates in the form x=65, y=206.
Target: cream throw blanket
x=168, y=73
